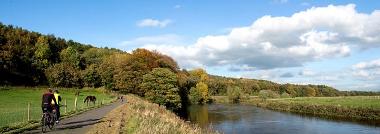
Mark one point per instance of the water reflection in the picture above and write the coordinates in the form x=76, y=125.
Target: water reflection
x=247, y=119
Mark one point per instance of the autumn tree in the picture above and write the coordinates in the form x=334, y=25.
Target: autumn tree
x=234, y=94
x=42, y=53
x=309, y=91
x=71, y=56
x=161, y=88
x=91, y=77
x=63, y=75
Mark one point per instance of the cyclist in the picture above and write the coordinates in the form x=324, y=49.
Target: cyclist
x=58, y=98
x=47, y=98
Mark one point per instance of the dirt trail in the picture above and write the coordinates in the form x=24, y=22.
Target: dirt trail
x=80, y=124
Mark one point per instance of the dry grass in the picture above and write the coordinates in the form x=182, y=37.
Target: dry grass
x=142, y=117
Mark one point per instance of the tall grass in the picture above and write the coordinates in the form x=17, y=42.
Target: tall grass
x=142, y=117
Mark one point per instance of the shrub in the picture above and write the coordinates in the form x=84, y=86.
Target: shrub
x=234, y=94
x=285, y=95
x=265, y=94
x=195, y=96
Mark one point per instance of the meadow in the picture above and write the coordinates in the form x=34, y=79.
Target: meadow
x=344, y=101
x=14, y=102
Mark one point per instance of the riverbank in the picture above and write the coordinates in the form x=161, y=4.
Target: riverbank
x=141, y=116
x=355, y=108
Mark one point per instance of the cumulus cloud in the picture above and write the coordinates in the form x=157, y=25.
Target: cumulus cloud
x=368, y=70
x=154, y=23
x=280, y=42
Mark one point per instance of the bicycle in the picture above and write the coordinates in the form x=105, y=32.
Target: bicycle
x=48, y=120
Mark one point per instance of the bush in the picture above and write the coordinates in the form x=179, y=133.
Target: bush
x=285, y=95
x=265, y=94
x=234, y=94
x=195, y=96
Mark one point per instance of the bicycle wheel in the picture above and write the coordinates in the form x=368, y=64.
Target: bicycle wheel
x=50, y=122
x=44, y=122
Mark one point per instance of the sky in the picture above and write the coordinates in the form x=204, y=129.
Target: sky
x=335, y=43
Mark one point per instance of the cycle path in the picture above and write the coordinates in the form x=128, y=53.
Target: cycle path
x=80, y=124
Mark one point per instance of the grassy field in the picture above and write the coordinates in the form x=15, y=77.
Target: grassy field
x=139, y=116
x=351, y=101
x=14, y=102
x=365, y=109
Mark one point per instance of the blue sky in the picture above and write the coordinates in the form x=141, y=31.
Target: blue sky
x=299, y=41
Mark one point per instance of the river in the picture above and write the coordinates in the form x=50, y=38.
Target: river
x=249, y=119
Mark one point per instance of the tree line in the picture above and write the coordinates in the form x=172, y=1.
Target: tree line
x=32, y=59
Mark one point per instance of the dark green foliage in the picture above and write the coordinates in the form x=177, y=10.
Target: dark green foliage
x=63, y=75
x=91, y=77
x=161, y=88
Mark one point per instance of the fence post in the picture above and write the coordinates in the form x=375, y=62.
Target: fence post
x=75, y=103
x=65, y=106
x=28, y=111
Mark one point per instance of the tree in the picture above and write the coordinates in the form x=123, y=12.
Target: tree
x=200, y=74
x=195, y=96
x=91, y=77
x=161, y=88
x=112, y=71
x=63, y=75
x=95, y=55
x=71, y=56
x=42, y=53
x=203, y=89
x=309, y=91
x=234, y=94
x=289, y=88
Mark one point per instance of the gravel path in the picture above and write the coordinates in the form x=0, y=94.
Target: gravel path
x=80, y=124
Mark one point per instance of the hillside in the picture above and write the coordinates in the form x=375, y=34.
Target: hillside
x=32, y=59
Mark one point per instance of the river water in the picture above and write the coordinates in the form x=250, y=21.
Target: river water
x=249, y=119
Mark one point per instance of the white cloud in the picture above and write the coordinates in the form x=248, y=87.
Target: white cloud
x=369, y=70
x=154, y=23
x=368, y=65
x=277, y=42
x=177, y=6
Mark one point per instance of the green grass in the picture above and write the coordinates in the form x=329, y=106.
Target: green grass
x=14, y=102
x=351, y=101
